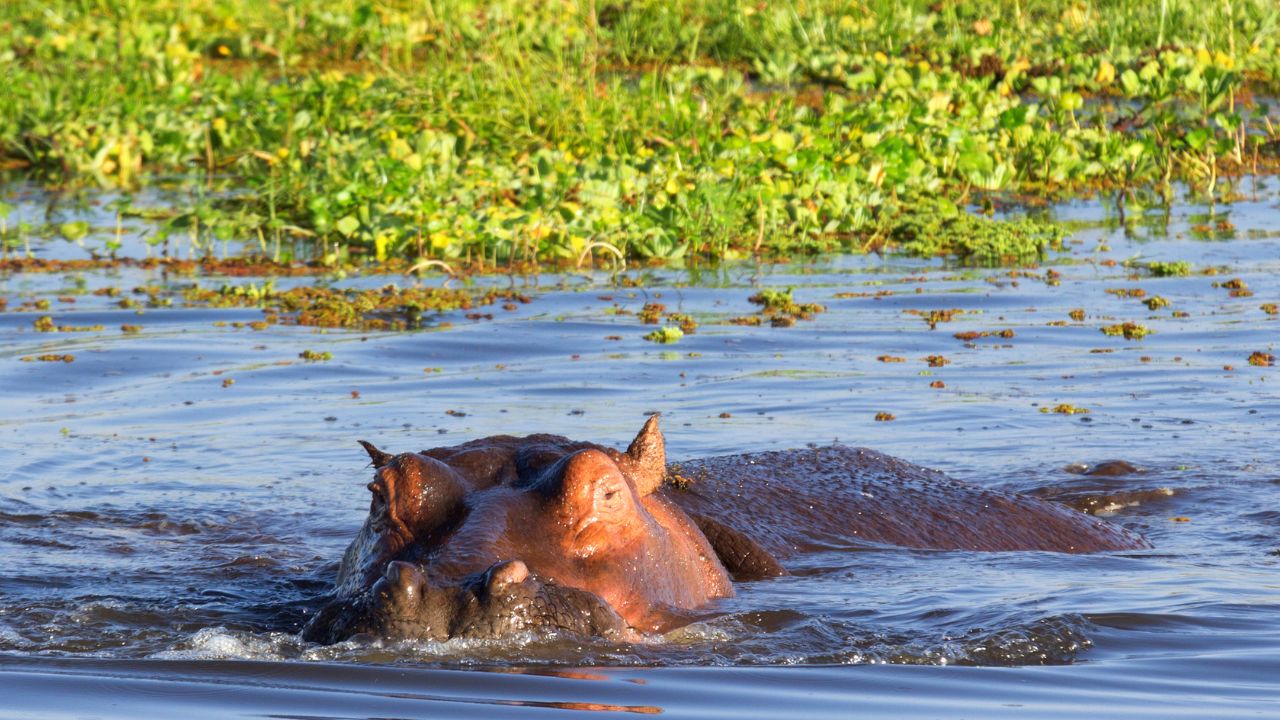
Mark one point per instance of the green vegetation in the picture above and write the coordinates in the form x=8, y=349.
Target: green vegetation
x=1177, y=268
x=388, y=308
x=483, y=134
x=665, y=335
x=1127, y=330
x=940, y=228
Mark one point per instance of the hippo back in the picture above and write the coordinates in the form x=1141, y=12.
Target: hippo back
x=793, y=501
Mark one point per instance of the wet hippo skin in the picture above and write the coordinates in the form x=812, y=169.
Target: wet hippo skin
x=791, y=501
x=508, y=533
x=505, y=599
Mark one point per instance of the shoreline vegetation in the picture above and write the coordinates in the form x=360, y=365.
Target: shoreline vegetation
x=466, y=136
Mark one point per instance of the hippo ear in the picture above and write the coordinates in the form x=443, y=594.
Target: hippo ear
x=647, y=458
x=378, y=457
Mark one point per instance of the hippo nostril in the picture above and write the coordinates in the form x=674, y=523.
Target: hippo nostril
x=404, y=579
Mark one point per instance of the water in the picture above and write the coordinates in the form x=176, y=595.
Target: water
x=163, y=533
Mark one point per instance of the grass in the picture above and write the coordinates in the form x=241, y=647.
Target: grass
x=504, y=133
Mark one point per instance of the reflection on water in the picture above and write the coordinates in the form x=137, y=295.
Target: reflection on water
x=1155, y=688
x=163, y=533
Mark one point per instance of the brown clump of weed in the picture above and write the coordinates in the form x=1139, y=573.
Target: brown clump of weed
x=49, y=358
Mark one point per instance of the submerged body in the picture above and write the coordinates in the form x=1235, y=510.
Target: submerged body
x=608, y=543
x=791, y=501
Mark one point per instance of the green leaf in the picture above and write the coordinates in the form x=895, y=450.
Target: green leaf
x=1130, y=82
x=1199, y=138
x=347, y=225
x=74, y=230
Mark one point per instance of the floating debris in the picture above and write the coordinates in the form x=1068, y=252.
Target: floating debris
x=1177, y=268
x=1126, y=292
x=66, y=358
x=971, y=335
x=1129, y=330
x=779, y=307
x=665, y=335
x=1065, y=409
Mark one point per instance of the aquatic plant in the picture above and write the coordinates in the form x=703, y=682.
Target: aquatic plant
x=1178, y=268
x=1127, y=330
x=665, y=335
x=643, y=131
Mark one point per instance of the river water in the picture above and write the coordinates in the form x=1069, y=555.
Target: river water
x=164, y=532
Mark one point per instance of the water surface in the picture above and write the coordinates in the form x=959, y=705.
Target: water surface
x=163, y=532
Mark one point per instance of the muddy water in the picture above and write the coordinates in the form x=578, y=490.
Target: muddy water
x=163, y=531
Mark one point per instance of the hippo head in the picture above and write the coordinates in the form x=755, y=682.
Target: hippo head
x=415, y=497
x=584, y=520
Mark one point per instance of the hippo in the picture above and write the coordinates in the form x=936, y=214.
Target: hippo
x=503, y=600
x=541, y=532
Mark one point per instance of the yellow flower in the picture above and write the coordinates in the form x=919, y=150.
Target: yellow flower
x=1203, y=57
x=1106, y=73
x=220, y=124
x=881, y=58
x=282, y=153
x=1076, y=16
x=224, y=51
x=1224, y=61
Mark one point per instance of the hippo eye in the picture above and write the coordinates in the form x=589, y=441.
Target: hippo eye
x=609, y=495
